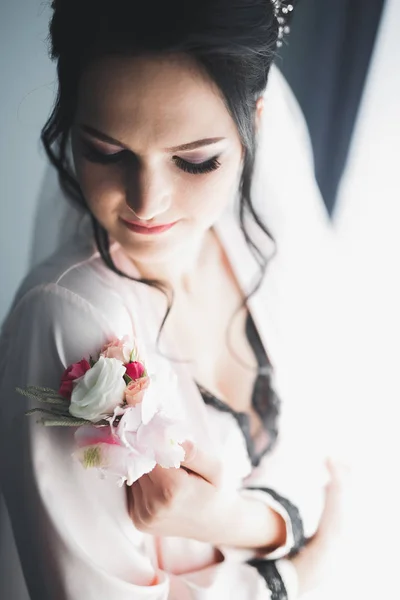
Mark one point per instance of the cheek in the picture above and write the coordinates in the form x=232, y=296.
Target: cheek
x=208, y=195
x=102, y=187
x=199, y=197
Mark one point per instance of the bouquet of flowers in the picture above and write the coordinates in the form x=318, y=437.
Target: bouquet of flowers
x=125, y=417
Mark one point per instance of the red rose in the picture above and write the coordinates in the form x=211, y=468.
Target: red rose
x=134, y=369
x=73, y=372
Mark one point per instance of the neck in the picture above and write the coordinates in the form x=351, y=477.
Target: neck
x=182, y=272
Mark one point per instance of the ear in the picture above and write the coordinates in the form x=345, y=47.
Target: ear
x=259, y=111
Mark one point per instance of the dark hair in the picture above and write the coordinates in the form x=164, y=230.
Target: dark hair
x=234, y=42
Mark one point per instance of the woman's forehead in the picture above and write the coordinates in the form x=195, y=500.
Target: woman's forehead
x=152, y=98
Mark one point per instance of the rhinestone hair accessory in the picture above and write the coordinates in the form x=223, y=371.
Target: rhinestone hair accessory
x=281, y=11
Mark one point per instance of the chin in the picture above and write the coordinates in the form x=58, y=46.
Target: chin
x=153, y=251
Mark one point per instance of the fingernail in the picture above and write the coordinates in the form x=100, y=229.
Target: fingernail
x=190, y=450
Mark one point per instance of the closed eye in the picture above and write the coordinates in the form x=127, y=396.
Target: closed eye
x=94, y=155
x=197, y=168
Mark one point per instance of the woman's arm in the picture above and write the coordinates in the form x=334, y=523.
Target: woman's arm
x=73, y=531
x=315, y=564
x=190, y=502
x=318, y=561
x=175, y=502
x=253, y=524
x=292, y=480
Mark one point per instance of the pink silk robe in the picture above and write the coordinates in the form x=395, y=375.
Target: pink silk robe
x=74, y=536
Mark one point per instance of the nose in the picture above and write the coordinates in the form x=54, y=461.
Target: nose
x=149, y=192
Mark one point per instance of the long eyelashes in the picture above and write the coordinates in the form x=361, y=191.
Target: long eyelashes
x=99, y=157
x=193, y=168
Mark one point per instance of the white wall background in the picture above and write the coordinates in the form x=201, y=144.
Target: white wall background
x=367, y=222
x=29, y=195
x=26, y=76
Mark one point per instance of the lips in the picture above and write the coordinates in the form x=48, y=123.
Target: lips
x=148, y=229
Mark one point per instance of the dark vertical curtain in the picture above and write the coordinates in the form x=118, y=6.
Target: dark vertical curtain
x=326, y=61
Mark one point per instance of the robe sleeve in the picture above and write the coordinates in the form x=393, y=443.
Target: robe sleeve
x=72, y=529
x=291, y=481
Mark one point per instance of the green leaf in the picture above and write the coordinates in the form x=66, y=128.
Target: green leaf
x=49, y=412
x=127, y=379
x=133, y=356
x=91, y=361
x=63, y=422
x=46, y=390
x=54, y=401
x=37, y=393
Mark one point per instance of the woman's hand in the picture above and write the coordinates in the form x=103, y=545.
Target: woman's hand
x=316, y=561
x=183, y=502
x=189, y=502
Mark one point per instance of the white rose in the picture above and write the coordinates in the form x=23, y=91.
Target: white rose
x=99, y=391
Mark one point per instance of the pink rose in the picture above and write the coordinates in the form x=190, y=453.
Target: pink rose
x=134, y=391
x=119, y=349
x=73, y=372
x=135, y=369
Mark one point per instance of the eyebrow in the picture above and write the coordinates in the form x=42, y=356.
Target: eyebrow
x=110, y=140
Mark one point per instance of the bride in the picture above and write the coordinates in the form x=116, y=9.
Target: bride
x=192, y=243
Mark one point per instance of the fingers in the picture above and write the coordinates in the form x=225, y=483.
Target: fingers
x=161, y=491
x=202, y=463
x=166, y=480
x=319, y=560
x=190, y=449
x=338, y=471
x=158, y=497
x=333, y=514
x=135, y=499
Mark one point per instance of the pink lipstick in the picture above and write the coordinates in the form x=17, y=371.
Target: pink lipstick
x=147, y=229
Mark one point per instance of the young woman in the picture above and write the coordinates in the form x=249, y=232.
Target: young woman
x=161, y=107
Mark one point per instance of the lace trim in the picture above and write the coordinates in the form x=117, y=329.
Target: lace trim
x=242, y=418
x=264, y=399
x=296, y=521
x=273, y=579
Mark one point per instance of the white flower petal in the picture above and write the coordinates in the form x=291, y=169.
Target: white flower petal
x=115, y=462
x=129, y=424
x=160, y=440
x=99, y=391
x=150, y=403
